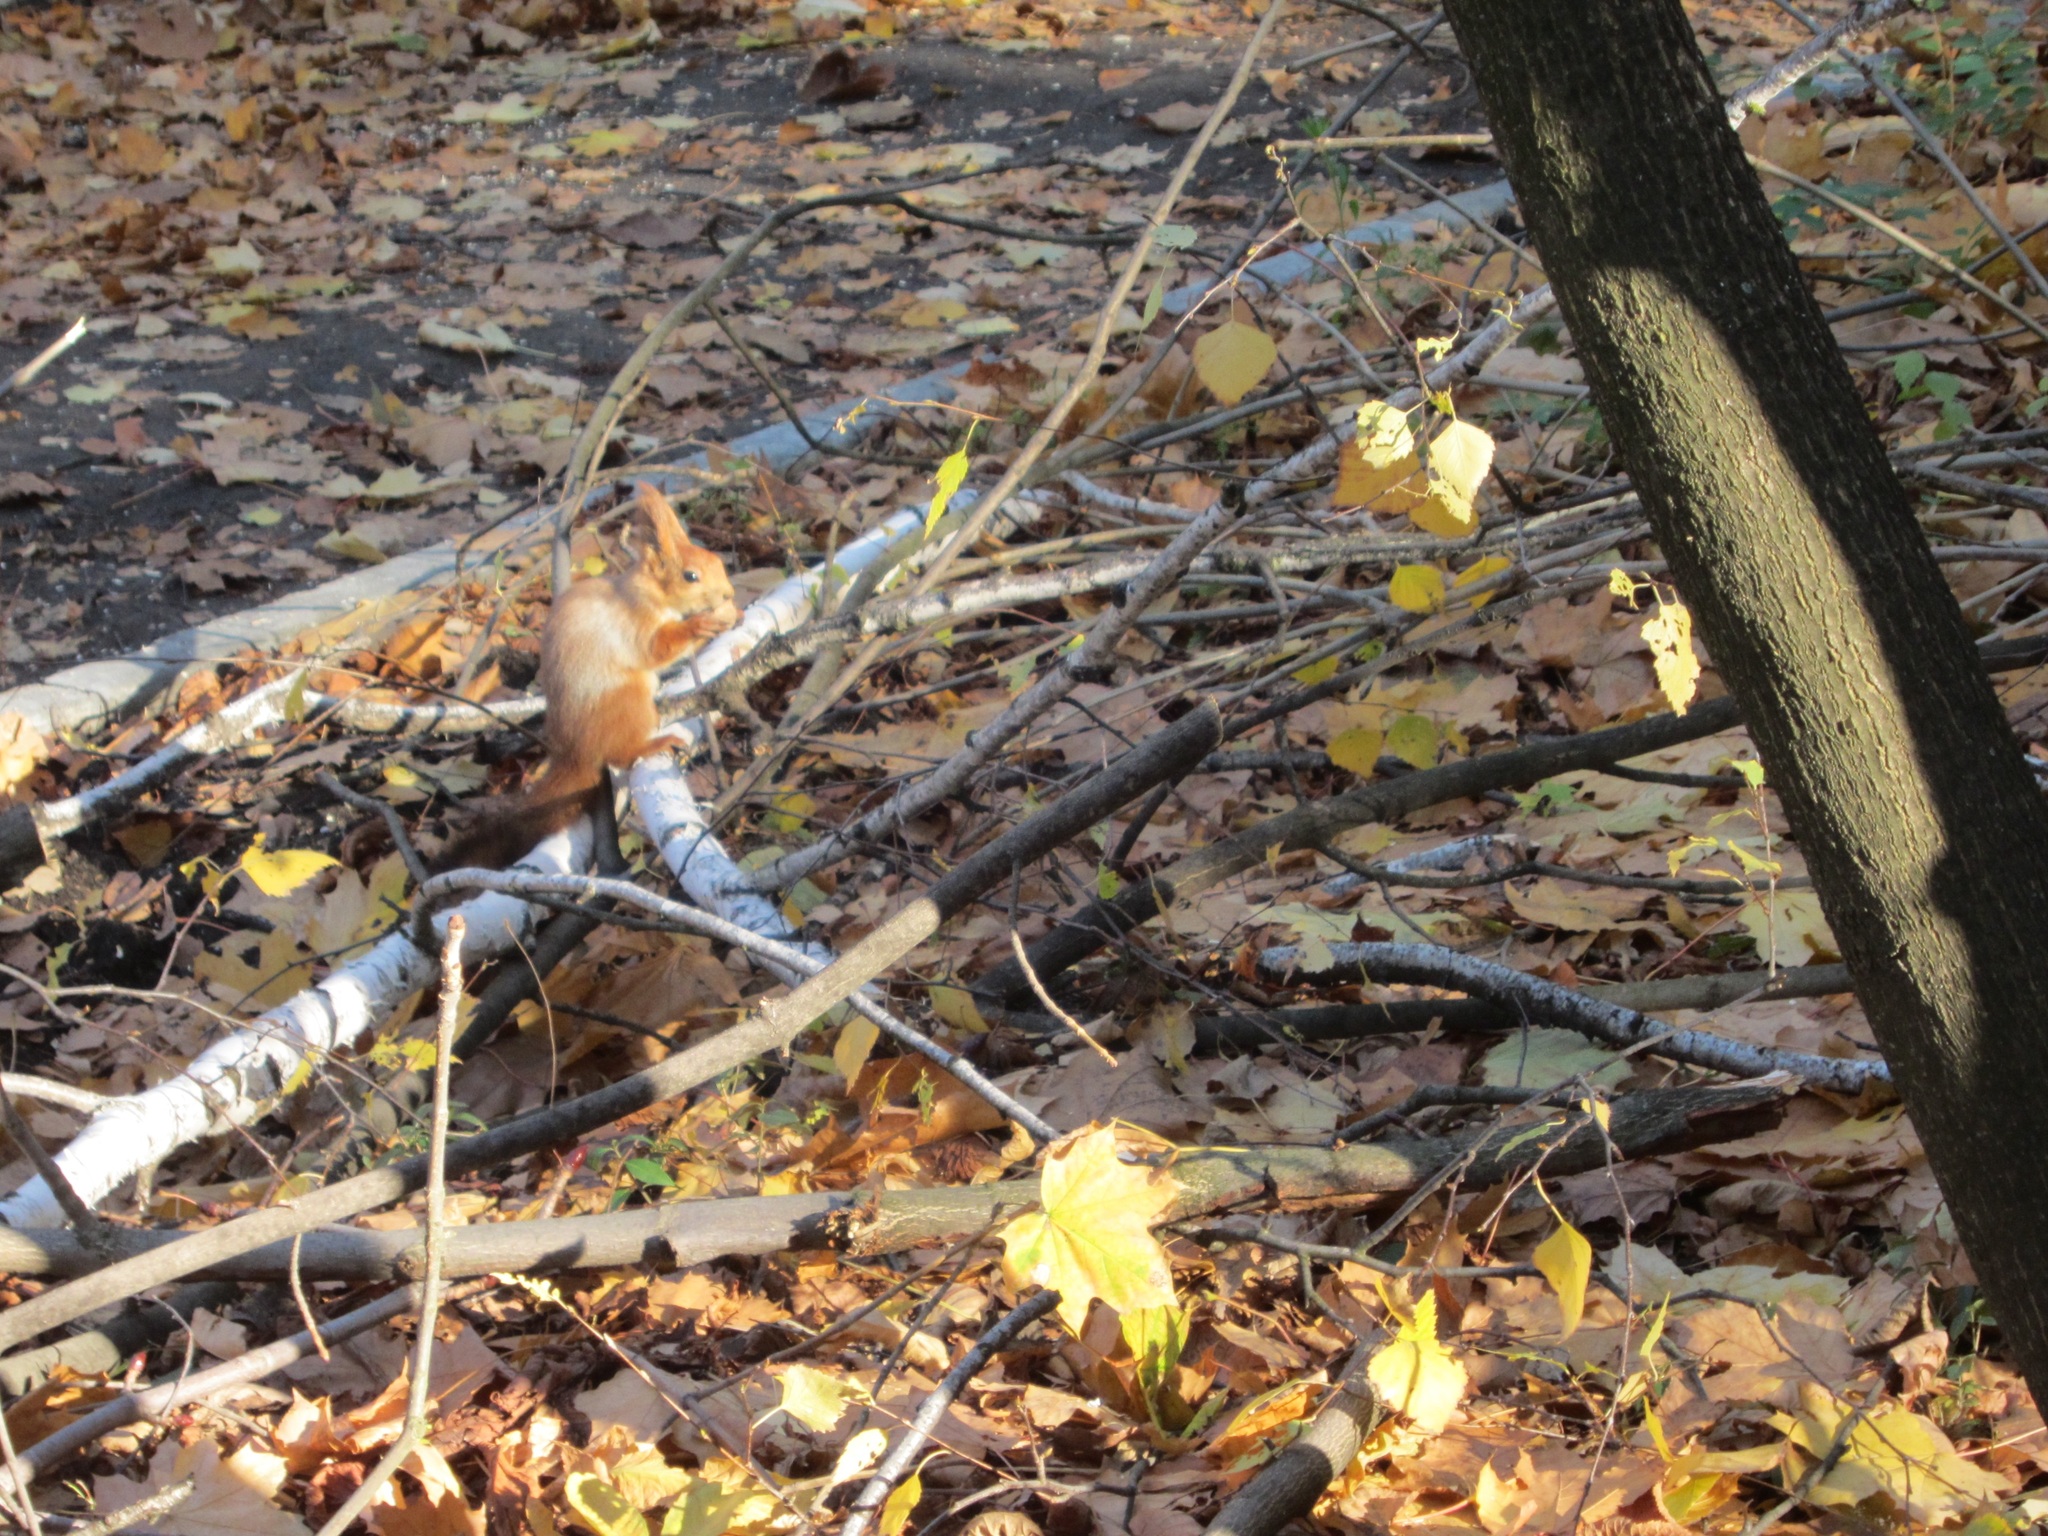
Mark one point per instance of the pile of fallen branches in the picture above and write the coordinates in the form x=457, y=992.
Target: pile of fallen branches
x=1300, y=607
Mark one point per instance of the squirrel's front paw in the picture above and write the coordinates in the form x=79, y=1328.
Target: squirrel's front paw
x=675, y=739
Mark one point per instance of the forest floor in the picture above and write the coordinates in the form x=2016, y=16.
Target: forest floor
x=356, y=279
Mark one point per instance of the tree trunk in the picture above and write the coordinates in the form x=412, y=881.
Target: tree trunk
x=1797, y=549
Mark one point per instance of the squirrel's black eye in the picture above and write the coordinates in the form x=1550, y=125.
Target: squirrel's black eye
x=692, y=576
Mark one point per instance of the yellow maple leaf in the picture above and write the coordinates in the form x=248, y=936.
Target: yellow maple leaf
x=1889, y=1453
x=1093, y=1235
x=816, y=1399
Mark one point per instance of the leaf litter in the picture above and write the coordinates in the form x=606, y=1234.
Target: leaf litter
x=504, y=198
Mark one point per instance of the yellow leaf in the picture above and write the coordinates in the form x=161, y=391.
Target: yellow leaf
x=1459, y=457
x=952, y=474
x=240, y=119
x=1887, y=1452
x=21, y=748
x=1384, y=436
x=955, y=1006
x=239, y=259
x=1359, y=484
x=1479, y=570
x=1093, y=1237
x=850, y=1051
x=1356, y=750
x=601, y=1507
x=1412, y=738
x=815, y=1399
x=1669, y=637
x=1565, y=1259
x=930, y=314
x=896, y=1512
x=281, y=968
x=1415, y=1375
x=791, y=812
x=1438, y=514
x=1232, y=358
x=1316, y=671
x=1417, y=588
x=282, y=872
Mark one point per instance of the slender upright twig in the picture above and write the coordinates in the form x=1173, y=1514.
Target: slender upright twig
x=430, y=1283
x=1048, y=429
x=23, y=1483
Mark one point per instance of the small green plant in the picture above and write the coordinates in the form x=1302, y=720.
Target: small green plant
x=1917, y=381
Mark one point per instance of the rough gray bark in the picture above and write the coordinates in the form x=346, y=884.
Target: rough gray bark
x=1794, y=544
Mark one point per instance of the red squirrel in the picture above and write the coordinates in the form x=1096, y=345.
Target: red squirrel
x=600, y=658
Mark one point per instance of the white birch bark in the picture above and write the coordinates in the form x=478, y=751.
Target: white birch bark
x=238, y=1079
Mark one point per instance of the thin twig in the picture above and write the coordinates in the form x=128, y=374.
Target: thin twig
x=1045, y=997
x=25, y=375
x=24, y=1481
x=868, y=1503
x=161, y=1502
x=415, y=865
x=437, y=1222
x=92, y=1230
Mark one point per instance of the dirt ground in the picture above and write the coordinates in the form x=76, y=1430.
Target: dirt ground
x=122, y=516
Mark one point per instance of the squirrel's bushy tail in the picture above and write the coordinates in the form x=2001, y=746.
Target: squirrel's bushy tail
x=500, y=834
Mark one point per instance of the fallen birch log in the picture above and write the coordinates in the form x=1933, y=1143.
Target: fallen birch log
x=238, y=1079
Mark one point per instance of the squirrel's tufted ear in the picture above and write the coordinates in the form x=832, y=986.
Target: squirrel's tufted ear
x=657, y=516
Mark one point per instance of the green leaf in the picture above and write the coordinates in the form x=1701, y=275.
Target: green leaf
x=650, y=1171
x=1175, y=237
x=1154, y=297
x=1907, y=368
